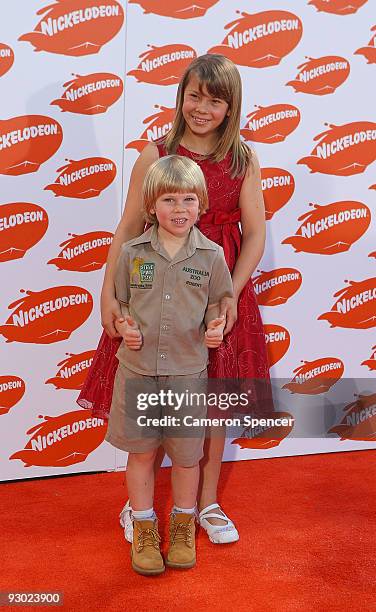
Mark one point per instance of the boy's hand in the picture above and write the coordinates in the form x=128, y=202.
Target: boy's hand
x=214, y=332
x=130, y=332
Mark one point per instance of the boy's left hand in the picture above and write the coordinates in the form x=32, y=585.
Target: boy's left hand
x=214, y=332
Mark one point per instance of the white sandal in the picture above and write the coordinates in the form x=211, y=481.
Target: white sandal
x=126, y=522
x=218, y=534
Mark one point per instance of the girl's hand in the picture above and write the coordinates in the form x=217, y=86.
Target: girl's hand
x=229, y=309
x=131, y=333
x=110, y=312
x=214, y=332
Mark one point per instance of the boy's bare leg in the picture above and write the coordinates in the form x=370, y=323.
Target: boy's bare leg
x=140, y=479
x=184, y=482
x=159, y=459
x=210, y=471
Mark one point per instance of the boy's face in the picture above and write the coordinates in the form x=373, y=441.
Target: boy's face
x=177, y=212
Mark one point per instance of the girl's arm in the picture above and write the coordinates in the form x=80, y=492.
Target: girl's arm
x=251, y=203
x=130, y=226
x=252, y=210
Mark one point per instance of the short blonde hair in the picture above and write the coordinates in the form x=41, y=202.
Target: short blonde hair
x=173, y=174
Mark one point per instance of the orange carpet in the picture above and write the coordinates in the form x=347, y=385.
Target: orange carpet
x=308, y=535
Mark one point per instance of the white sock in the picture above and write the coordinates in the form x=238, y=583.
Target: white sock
x=143, y=515
x=177, y=510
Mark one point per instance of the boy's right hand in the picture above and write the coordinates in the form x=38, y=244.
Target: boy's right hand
x=131, y=332
x=214, y=332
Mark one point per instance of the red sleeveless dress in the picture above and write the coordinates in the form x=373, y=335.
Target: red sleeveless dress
x=243, y=351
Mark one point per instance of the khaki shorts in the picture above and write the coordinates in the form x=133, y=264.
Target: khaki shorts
x=183, y=444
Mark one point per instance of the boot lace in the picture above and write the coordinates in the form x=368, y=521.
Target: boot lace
x=148, y=537
x=182, y=532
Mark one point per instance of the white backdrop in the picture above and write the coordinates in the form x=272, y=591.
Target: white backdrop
x=307, y=70
x=74, y=77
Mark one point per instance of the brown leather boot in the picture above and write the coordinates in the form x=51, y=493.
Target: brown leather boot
x=146, y=556
x=182, y=548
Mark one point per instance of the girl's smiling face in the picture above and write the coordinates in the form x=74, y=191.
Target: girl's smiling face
x=177, y=212
x=202, y=112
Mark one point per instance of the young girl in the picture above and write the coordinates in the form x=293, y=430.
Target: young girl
x=206, y=129
x=165, y=349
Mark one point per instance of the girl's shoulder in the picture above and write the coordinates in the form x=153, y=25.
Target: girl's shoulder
x=150, y=152
x=253, y=167
x=160, y=147
x=148, y=155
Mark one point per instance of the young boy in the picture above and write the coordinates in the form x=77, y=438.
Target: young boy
x=169, y=283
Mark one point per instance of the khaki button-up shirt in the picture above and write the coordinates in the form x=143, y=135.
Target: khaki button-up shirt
x=168, y=298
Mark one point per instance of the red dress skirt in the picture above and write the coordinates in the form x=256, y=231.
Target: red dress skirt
x=243, y=351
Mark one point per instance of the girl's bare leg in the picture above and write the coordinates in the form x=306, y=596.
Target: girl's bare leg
x=210, y=472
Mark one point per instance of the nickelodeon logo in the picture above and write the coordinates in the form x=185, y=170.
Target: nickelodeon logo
x=314, y=377
x=369, y=52
x=321, y=76
x=330, y=229
x=12, y=390
x=91, y=94
x=83, y=178
x=371, y=362
x=343, y=150
x=277, y=286
x=22, y=225
x=76, y=27
x=359, y=423
x=72, y=371
x=180, y=9
x=266, y=435
x=84, y=253
x=26, y=142
x=6, y=58
x=355, y=307
x=277, y=342
x=278, y=186
x=261, y=39
x=157, y=126
x=271, y=124
x=163, y=65
x=338, y=7
x=47, y=316
x=63, y=440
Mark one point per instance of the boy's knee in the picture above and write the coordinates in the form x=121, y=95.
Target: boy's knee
x=147, y=457
x=187, y=466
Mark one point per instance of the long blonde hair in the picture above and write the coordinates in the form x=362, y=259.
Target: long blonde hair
x=222, y=80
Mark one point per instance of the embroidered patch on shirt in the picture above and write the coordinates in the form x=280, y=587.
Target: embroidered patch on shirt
x=195, y=276
x=142, y=273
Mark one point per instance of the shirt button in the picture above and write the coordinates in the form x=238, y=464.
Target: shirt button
x=165, y=327
x=163, y=355
x=167, y=296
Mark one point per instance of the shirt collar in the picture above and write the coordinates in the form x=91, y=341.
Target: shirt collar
x=201, y=242
x=196, y=240
x=145, y=237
